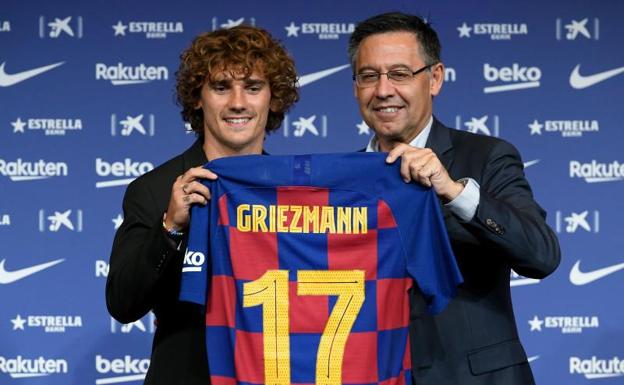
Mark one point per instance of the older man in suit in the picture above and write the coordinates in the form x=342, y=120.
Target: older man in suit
x=492, y=219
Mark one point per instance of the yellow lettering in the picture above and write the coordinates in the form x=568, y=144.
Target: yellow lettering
x=360, y=220
x=328, y=223
x=243, y=222
x=311, y=217
x=272, y=218
x=259, y=213
x=281, y=219
x=344, y=220
x=296, y=210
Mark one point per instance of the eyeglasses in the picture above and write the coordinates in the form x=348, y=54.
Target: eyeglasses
x=398, y=77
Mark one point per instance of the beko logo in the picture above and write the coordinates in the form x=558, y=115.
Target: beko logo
x=515, y=77
x=193, y=261
x=594, y=171
x=20, y=367
x=125, y=172
x=121, y=74
x=19, y=170
x=125, y=369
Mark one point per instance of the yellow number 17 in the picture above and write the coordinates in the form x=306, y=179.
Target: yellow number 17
x=271, y=291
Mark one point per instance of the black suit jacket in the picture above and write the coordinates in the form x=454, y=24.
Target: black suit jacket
x=475, y=340
x=144, y=275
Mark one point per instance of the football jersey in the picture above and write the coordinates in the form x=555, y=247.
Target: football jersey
x=304, y=264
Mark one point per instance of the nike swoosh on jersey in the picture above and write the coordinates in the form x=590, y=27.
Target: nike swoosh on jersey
x=311, y=78
x=579, y=81
x=12, y=276
x=7, y=80
x=579, y=278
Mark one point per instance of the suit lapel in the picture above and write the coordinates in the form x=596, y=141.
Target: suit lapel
x=440, y=142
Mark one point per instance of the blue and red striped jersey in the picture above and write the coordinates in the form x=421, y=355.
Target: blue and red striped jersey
x=304, y=264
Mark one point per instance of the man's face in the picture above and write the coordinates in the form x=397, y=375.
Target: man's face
x=235, y=113
x=397, y=113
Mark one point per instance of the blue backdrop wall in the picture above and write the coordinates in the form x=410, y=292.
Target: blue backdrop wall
x=87, y=104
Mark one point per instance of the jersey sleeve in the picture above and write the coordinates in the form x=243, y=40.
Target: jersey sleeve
x=430, y=258
x=196, y=264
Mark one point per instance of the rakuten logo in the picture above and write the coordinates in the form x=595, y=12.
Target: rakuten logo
x=594, y=171
x=101, y=269
x=20, y=367
x=519, y=77
x=19, y=170
x=595, y=368
x=193, y=261
x=121, y=74
x=125, y=171
x=125, y=369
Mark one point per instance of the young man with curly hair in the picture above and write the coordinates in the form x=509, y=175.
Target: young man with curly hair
x=234, y=86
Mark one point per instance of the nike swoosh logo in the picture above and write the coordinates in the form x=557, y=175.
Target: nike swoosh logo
x=12, y=276
x=7, y=80
x=533, y=358
x=579, y=81
x=311, y=78
x=531, y=163
x=579, y=278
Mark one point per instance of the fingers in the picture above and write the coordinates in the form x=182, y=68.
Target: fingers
x=196, y=188
x=398, y=151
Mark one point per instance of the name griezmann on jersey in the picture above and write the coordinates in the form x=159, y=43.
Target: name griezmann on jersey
x=302, y=219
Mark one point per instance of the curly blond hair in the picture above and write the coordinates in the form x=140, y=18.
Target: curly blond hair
x=241, y=49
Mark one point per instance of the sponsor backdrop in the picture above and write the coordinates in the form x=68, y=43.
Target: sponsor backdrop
x=87, y=105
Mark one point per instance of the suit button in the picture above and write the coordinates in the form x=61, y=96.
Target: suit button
x=491, y=223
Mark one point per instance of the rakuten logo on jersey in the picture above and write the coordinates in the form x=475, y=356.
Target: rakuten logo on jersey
x=121, y=74
x=123, y=172
x=595, y=368
x=595, y=171
x=120, y=370
x=193, y=261
x=20, y=170
x=20, y=367
x=514, y=78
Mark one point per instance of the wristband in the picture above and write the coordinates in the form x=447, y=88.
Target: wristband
x=171, y=231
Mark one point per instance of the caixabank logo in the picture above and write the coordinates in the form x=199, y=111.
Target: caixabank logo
x=148, y=29
x=581, y=221
x=120, y=370
x=322, y=31
x=597, y=172
x=596, y=367
x=133, y=125
x=22, y=367
x=61, y=27
x=304, y=126
x=226, y=23
x=54, y=221
x=46, y=126
x=485, y=125
x=119, y=173
x=580, y=28
x=20, y=170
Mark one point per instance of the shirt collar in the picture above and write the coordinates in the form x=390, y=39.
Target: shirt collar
x=419, y=141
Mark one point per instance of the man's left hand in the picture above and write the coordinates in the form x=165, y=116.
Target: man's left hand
x=423, y=166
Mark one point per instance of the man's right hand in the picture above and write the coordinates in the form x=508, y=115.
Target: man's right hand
x=187, y=190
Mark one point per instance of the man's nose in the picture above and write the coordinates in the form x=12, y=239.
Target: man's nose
x=238, y=99
x=384, y=87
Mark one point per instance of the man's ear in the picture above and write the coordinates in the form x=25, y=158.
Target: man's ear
x=436, y=79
